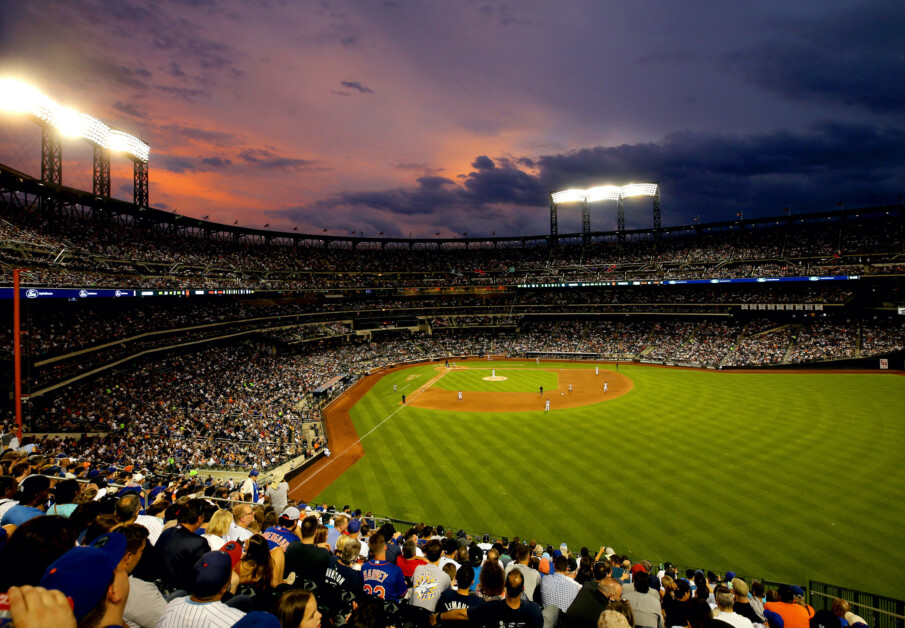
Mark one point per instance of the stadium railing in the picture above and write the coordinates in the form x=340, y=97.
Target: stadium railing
x=879, y=611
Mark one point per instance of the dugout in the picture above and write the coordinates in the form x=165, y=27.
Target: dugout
x=330, y=385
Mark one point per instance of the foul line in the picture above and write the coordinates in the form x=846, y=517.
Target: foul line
x=334, y=458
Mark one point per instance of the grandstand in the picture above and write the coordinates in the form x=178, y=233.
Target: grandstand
x=188, y=349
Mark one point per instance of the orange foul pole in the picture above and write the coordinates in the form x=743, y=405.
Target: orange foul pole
x=17, y=355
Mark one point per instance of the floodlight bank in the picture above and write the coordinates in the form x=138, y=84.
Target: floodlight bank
x=18, y=97
x=605, y=193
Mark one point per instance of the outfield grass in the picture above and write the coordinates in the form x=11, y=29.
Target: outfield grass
x=785, y=476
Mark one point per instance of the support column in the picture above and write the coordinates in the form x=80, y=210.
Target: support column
x=657, y=210
x=140, y=184
x=101, y=172
x=585, y=220
x=554, y=227
x=51, y=155
x=620, y=219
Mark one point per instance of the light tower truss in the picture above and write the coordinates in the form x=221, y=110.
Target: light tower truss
x=603, y=193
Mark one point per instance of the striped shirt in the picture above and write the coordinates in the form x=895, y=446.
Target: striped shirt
x=238, y=534
x=184, y=613
x=154, y=526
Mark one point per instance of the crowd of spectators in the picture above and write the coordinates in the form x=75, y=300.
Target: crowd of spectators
x=825, y=340
x=88, y=545
x=79, y=251
x=764, y=343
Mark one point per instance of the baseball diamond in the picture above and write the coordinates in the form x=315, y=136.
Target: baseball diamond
x=618, y=461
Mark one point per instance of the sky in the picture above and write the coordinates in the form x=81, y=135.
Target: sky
x=454, y=117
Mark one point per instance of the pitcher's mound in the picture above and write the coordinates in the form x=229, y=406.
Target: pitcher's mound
x=495, y=378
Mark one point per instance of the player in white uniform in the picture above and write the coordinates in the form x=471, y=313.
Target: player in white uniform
x=596, y=370
x=493, y=372
x=394, y=387
x=460, y=395
x=570, y=386
x=547, y=406
x=605, y=387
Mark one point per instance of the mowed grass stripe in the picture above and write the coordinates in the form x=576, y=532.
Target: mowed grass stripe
x=445, y=483
x=701, y=468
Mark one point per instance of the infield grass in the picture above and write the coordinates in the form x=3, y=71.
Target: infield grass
x=784, y=476
x=517, y=380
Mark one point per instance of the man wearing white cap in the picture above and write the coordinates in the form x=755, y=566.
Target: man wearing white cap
x=286, y=531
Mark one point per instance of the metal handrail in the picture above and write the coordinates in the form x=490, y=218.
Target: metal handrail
x=856, y=604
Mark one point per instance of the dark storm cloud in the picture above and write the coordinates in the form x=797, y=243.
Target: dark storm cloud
x=216, y=162
x=181, y=164
x=490, y=184
x=854, y=57
x=356, y=85
x=711, y=175
x=264, y=158
x=175, y=163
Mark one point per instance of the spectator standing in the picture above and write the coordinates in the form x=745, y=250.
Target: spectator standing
x=429, y=581
x=305, y=559
x=379, y=577
x=180, y=548
x=644, y=602
x=278, y=492
x=558, y=589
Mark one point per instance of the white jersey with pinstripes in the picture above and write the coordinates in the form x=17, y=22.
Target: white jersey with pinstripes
x=184, y=613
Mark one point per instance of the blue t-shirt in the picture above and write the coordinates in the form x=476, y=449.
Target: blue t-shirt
x=451, y=600
x=343, y=576
x=278, y=536
x=19, y=514
x=383, y=580
x=498, y=613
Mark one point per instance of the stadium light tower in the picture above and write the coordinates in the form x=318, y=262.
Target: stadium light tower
x=57, y=121
x=603, y=193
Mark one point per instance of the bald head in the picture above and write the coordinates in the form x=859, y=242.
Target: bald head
x=515, y=584
x=611, y=588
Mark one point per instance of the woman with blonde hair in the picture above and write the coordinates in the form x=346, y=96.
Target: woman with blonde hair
x=216, y=530
x=340, y=544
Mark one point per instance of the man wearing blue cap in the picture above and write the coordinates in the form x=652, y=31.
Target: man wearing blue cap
x=91, y=578
x=250, y=486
